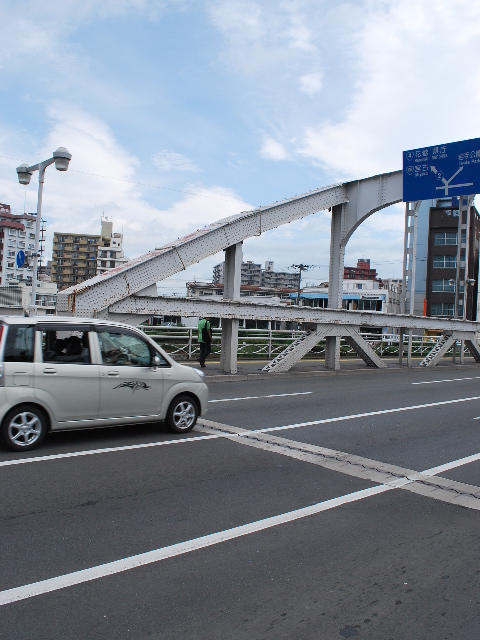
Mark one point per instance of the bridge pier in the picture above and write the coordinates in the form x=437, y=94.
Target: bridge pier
x=232, y=274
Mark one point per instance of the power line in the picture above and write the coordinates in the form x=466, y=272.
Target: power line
x=141, y=184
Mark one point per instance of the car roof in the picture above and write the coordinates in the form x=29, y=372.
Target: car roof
x=56, y=320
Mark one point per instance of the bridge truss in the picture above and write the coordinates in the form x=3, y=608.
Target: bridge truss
x=128, y=293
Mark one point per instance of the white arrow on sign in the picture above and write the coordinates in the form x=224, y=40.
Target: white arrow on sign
x=446, y=183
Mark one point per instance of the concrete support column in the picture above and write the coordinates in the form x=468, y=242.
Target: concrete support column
x=335, y=282
x=232, y=275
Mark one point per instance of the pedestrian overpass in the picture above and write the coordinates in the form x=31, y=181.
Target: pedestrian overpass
x=129, y=294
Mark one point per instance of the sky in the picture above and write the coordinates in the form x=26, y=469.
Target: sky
x=178, y=113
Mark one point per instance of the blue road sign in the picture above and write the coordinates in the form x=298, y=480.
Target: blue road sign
x=20, y=259
x=444, y=170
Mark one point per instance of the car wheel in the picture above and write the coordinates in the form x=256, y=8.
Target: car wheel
x=24, y=428
x=182, y=414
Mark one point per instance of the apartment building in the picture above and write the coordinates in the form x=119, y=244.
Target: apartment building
x=110, y=251
x=253, y=275
x=17, y=233
x=79, y=257
x=74, y=258
x=442, y=276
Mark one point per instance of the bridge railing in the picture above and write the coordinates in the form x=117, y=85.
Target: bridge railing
x=264, y=344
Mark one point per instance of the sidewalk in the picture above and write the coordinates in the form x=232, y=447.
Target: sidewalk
x=252, y=369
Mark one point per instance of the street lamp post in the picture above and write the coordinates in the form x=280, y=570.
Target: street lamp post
x=61, y=157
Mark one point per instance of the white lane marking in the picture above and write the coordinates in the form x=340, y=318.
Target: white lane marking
x=447, y=380
x=7, y=463
x=274, y=395
x=77, y=577
x=365, y=415
x=434, y=471
x=42, y=587
x=92, y=452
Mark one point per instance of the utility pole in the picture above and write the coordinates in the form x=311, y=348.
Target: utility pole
x=300, y=267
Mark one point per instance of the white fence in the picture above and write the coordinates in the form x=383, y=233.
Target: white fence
x=182, y=344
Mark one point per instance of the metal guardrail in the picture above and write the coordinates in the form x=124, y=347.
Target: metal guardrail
x=264, y=344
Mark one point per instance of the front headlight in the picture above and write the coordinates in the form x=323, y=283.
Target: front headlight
x=200, y=373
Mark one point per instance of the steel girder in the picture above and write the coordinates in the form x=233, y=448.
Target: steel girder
x=195, y=307
x=94, y=296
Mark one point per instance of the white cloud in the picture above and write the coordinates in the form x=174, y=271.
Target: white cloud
x=171, y=161
x=409, y=57
x=262, y=35
x=273, y=150
x=311, y=83
x=102, y=178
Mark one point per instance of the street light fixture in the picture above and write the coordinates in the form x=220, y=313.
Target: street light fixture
x=61, y=157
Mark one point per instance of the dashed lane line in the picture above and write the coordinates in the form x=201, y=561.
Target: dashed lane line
x=446, y=380
x=273, y=395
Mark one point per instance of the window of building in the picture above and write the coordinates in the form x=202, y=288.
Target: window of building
x=31, y=235
x=12, y=243
x=463, y=236
x=11, y=254
x=12, y=232
x=443, y=286
x=11, y=265
x=443, y=309
x=444, y=262
x=22, y=234
x=445, y=238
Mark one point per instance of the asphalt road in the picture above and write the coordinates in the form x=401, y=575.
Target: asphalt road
x=302, y=507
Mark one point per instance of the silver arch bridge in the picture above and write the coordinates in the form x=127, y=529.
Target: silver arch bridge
x=128, y=293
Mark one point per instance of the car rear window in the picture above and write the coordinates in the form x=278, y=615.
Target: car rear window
x=19, y=346
x=67, y=347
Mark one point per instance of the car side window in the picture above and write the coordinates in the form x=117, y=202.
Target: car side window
x=66, y=347
x=20, y=344
x=122, y=348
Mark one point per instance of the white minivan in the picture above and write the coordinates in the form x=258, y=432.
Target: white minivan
x=71, y=373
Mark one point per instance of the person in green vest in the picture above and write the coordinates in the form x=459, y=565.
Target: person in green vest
x=204, y=339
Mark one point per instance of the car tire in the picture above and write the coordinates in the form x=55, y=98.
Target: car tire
x=24, y=427
x=182, y=414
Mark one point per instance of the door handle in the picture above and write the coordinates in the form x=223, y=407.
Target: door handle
x=50, y=371
x=113, y=373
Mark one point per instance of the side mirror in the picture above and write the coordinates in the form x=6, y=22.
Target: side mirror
x=156, y=361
